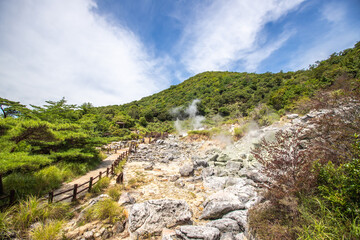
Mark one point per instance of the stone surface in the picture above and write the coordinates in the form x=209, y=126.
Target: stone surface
x=186, y=170
x=215, y=183
x=198, y=232
x=234, y=166
x=126, y=199
x=224, y=225
x=240, y=216
x=149, y=166
x=153, y=215
x=216, y=209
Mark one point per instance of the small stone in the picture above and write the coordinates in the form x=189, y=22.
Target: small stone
x=88, y=235
x=179, y=183
x=220, y=164
x=119, y=227
x=149, y=166
x=186, y=170
x=173, y=178
x=214, y=158
x=126, y=199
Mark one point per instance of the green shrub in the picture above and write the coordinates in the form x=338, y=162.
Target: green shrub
x=49, y=231
x=100, y=185
x=105, y=210
x=115, y=192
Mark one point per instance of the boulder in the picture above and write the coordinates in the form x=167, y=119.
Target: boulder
x=153, y=215
x=186, y=170
x=240, y=236
x=215, y=183
x=240, y=216
x=216, y=209
x=224, y=225
x=198, y=232
x=227, y=236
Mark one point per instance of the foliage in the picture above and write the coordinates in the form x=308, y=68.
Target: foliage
x=106, y=209
x=12, y=109
x=49, y=231
x=100, y=185
x=321, y=222
x=286, y=164
x=325, y=205
x=115, y=192
x=21, y=162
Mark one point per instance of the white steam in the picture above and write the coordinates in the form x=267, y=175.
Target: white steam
x=193, y=122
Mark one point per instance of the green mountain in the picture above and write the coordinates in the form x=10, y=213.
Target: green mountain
x=236, y=94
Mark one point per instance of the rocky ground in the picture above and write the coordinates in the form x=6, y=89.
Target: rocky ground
x=180, y=189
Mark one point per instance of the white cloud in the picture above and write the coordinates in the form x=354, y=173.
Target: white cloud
x=223, y=34
x=51, y=49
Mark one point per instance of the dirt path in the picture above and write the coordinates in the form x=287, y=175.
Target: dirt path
x=100, y=168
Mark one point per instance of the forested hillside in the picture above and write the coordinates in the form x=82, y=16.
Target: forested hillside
x=237, y=94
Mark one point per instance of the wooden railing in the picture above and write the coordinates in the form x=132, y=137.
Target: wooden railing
x=77, y=188
x=109, y=172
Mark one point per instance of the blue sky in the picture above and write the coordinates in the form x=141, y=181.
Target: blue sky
x=114, y=51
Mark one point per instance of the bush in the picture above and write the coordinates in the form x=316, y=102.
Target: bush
x=115, y=192
x=286, y=164
x=48, y=231
x=100, y=185
x=105, y=210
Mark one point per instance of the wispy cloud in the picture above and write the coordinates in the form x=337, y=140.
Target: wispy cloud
x=51, y=49
x=226, y=32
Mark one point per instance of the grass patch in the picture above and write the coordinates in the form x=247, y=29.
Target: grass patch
x=5, y=224
x=322, y=223
x=115, y=192
x=49, y=231
x=105, y=210
x=33, y=210
x=100, y=185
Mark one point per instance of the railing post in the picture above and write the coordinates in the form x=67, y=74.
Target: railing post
x=12, y=197
x=1, y=186
x=74, y=193
x=107, y=172
x=51, y=196
x=90, y=184
x=112, y=169
x=100, y=173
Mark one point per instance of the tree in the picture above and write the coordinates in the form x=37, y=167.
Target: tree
x=11, y=108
